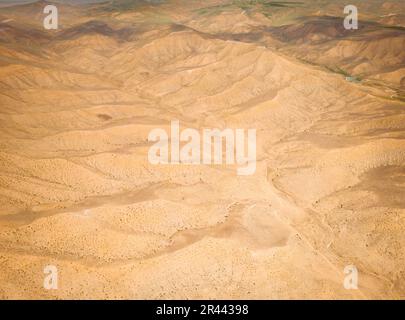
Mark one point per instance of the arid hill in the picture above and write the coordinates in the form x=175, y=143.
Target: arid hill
x=78, y=191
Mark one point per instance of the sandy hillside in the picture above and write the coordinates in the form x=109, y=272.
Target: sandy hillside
x=77, y=190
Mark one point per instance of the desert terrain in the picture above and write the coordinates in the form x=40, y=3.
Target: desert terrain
x=77, y=190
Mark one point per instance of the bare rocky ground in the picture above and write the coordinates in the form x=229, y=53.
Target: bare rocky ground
x=77, y=190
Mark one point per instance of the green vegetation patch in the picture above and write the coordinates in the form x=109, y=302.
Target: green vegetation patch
x=125, y=5
x=262, y=5
x=348, y=76
x=395, y=27
x=213, y=10
x=247, y=4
